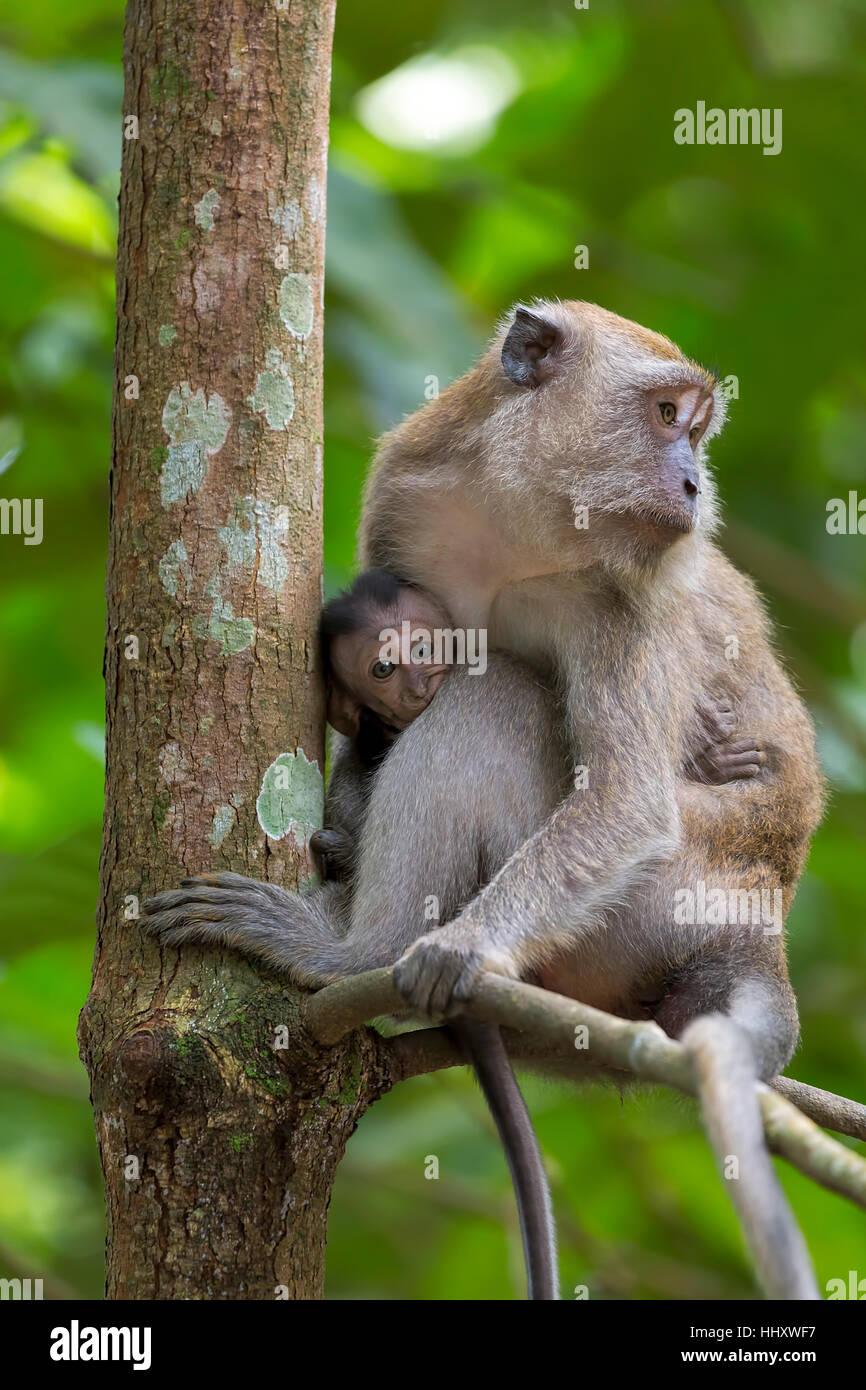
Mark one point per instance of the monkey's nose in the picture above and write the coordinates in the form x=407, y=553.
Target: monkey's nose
x=691, y=488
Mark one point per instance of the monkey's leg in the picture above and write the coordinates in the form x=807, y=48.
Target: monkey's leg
x=316, y=938
x=297, y=934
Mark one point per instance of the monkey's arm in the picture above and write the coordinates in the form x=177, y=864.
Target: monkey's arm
x=345, y=809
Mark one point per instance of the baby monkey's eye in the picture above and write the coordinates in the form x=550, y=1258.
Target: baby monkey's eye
x=694, y=435
x=668, y=412
x=422, y=651
x=381, y=670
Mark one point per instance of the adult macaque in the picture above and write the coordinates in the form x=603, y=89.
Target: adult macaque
x=558, y=495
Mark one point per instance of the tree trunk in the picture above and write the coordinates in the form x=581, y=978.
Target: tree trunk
x=218, y=1150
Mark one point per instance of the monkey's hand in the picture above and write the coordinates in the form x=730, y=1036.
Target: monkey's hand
x=730, y=762
x=716, y=721
x=720, y=757
x=335, y=850
x=440, y=970
x=287, y=931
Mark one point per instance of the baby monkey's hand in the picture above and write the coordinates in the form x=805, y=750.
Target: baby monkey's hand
x=335, y=850
x=731, y=761
x=723, y=758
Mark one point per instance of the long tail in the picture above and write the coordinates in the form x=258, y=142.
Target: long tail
x=726, y=1075
x=483, y=1045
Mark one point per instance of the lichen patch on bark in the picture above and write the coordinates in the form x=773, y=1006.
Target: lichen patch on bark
x=292, y=798
x=206, y=209
x=233, y=634
x=197, y=427
x=296, y=304
x=173, y=567
x=255, y=540
x=274, y=395
x=224, y=818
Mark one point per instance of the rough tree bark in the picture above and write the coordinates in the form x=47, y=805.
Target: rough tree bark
x=218, y=1151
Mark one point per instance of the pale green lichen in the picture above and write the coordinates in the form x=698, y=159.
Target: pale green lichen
x=288, y=217
x=258, y=532
x=292, y=798
x=296, y=304
x=167, y=334
x=224, y=818
x=183, y=471
x=238, y=536
x=315, y=200
x=173, y=566
x=206, y=209
x=197, y=427
x=233, y=634
x=274, y=395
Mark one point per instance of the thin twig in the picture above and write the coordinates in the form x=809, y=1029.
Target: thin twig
x=833, y=1112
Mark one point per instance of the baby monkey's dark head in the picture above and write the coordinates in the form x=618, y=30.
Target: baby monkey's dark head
x=378, y=641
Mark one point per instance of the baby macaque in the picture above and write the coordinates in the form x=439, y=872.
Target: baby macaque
x=359, y=631
x=372, y=698
x=379, y=647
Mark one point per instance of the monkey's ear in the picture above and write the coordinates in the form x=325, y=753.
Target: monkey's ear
x=529, y=347
x=344, y=712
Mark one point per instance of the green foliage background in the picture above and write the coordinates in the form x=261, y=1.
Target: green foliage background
x=752, y=263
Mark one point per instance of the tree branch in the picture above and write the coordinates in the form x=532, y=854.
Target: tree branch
x=549, y=1025
x=833, y=1112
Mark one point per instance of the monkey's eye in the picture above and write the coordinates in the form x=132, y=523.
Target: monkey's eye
x=668, y=412
x=694, y=435
x=381, y=670
x=422, y=652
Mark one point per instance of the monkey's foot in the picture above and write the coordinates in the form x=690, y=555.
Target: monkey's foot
x=225, y=909
x=440, y=971
x=731, y=761
x=204, y=907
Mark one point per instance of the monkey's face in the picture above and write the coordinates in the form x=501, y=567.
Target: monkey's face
x=606, y=427
x=391, y=667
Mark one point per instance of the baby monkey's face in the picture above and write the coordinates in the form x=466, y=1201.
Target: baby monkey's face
x=395, y=680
